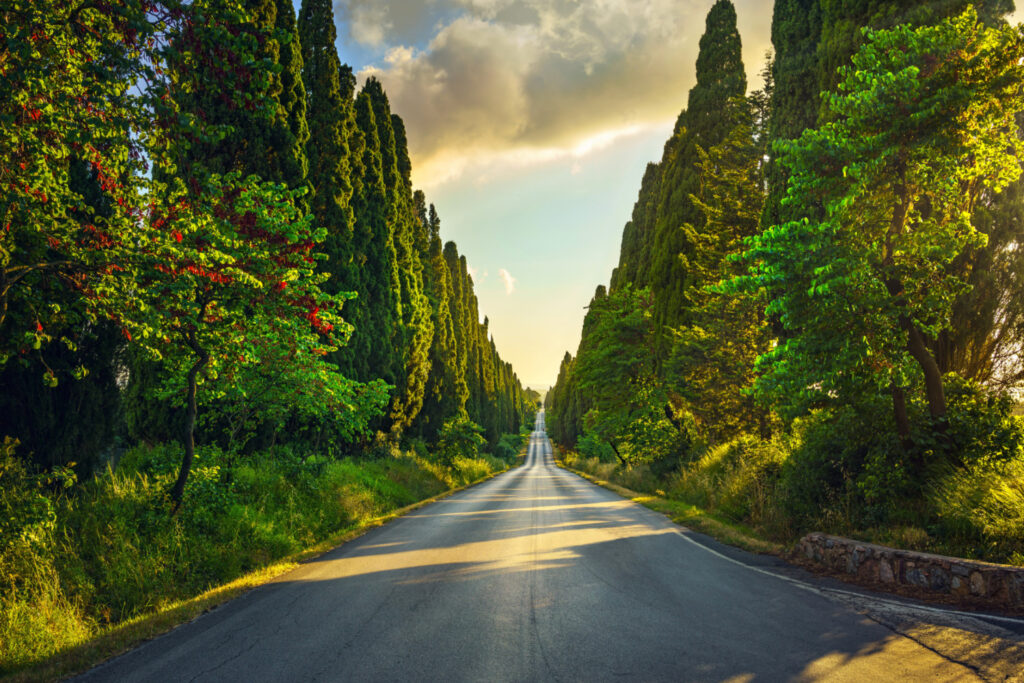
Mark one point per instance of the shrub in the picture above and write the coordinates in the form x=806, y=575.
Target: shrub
x=592, y=446
x=459, y=437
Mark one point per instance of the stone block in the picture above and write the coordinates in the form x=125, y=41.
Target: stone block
x=977, y=583
x=917, y=577
x=885, y=574
x=938, y=579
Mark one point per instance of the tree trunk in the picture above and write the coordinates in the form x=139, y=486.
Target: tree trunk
x=918, y=348
x=203, y=357
x=932, y=375
x=899, y=407
x=319, y=435
x=616, y=451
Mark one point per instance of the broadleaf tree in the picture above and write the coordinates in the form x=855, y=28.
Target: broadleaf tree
x=923, y=123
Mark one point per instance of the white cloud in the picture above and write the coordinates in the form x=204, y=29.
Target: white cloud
x=507, y=280
x=477, y=275
x=538, y=78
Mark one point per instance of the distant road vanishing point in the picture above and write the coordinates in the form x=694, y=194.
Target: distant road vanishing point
x=538, y=575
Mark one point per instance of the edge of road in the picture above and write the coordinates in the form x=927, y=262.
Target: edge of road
x=129, y=634
x=765, y=557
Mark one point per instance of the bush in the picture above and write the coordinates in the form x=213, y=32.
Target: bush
x=459, y=437
x=592, y=446
x=508, y=447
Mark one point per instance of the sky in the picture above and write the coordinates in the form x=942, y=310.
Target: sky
x=530, y=123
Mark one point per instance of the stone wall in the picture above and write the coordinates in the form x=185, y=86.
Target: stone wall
x=992, y=584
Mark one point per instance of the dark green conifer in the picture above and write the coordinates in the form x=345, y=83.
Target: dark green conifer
x=412, y=342
x=442, y=399
x=326, y=116
x=796, y=30
x=295, y=166
x=457, y=303
x=720, y=78
x=376, y=332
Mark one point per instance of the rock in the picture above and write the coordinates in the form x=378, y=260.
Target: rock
x=885, y=574
x=938, y=580
x=977, y=583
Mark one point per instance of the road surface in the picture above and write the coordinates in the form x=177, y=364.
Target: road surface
x=538, y=575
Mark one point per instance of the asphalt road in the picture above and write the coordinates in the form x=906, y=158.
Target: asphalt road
x=538, y=575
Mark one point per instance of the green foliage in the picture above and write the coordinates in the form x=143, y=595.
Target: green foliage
x=720, y=78
x=712, y=358
x=861, y=287
x=794, y=103
x=509, y=447
x=326, y=116
x=591, y=445
x=459, y=437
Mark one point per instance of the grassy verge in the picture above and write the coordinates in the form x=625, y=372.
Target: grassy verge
x=716, y=526
x=111, y=568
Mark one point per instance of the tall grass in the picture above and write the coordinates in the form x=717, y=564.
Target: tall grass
x=109, y=550
x=974, y=510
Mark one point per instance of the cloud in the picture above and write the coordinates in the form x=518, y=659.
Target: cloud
x=537, y=78
x=474, y=272
x=507, y=280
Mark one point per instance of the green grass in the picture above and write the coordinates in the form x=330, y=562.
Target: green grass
x=108, y=566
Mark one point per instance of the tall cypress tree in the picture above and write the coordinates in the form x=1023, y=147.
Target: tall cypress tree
x=638, y=235
x=375, y=311
x=259, y=141
x=720, y=78
x=442, y=399
x=796, y=30
x=457, y=301
x=327, y=149
x=412, y=347
x=295, y=164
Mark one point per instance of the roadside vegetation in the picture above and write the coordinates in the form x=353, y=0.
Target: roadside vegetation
x=817, y=318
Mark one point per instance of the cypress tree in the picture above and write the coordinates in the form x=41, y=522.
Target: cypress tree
x=295, y=166
x=412, y=348
x=260, y=141
x=457, y=300
x=442, y=399
x=713, y=358
x=326, y=116
x=794, y=103
x=720, y=78
x=638, y=235
x=376, y=327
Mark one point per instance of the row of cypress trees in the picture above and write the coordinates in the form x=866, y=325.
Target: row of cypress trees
x=721, y=158
x=415, y=317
